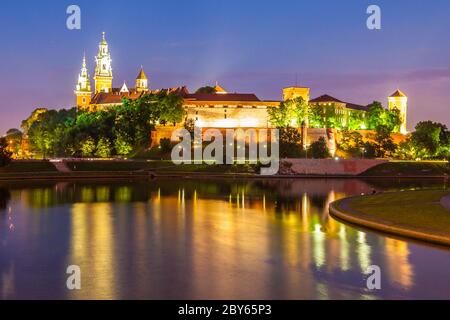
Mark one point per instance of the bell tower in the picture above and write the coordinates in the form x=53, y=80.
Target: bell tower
x=398, y=100
x=141, y=81
x=83, y=90
x=295, y=92
x=103, y=72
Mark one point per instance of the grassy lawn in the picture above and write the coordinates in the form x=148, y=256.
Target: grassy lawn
x=28, y=166
x=406, y=168
x=418, y=209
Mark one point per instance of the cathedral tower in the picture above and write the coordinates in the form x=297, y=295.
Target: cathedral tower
x=399, y=101
x=83, y=90
x=141, y=81
x=103, y=72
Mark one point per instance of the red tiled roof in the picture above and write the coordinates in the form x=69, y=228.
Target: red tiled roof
x=398, y=94
x=222, y=97
x=325, y=98
x=329, y=99
x=115, y=96
x=357, y=107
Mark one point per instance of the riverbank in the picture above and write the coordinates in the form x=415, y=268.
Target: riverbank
x=144, y=169
x=419, y=215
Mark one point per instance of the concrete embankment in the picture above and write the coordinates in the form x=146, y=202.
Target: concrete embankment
x=409, y=228
x=330, y=167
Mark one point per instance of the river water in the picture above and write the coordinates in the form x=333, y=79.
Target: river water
x=205, y=239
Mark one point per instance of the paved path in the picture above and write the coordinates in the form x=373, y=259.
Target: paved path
x=445, y=202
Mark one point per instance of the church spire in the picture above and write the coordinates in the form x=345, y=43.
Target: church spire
x=83, y=90
x=103, y=71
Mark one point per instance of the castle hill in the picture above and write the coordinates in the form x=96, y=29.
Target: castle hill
x=225, y=151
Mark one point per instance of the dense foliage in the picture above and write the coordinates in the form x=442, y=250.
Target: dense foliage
x=297, y=111
x=290, y=113
x=319, y=149
x=118, y=130
x=5, y=155
x=430, y=140
x=290, y=143
x=206, y=89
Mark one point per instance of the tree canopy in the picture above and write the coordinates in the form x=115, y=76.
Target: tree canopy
x=5, y=155
x=117, y=130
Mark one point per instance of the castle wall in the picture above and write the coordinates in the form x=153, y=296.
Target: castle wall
x=229, y=117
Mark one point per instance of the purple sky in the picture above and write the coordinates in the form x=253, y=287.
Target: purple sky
x=248, y=46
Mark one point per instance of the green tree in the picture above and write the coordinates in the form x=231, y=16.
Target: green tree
x=317, y=117
x=378, y=116
x=431, y=138
x=406, y=150
x=385, y=146
x=5, y=155
x=319, y=149
x=103, y=148
x=14, y=139
x=356, y=120
x=123, y=144
x=206, y=89
x=290, y=140
x=166, y=145
x=374, y=115
x=279, y=116
x=87, y=147
x=370, y=150
x=351, y=141
x=289, y=113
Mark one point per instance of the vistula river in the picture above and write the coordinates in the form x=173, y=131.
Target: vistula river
x=205, y=239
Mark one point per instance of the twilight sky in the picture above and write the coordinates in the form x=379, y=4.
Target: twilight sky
x=248, y=46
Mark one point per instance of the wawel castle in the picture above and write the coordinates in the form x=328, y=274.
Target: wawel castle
x=213, y=110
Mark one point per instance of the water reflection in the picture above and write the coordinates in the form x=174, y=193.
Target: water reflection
x=203, y=239
x=4, y=198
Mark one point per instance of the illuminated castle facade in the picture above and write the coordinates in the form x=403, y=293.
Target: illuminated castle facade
x=221, y=109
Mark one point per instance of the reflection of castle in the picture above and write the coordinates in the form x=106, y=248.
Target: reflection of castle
x=218, y=110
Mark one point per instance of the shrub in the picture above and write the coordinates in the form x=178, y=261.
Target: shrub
x=319, y=149
x=5, y=155
x=166, y=145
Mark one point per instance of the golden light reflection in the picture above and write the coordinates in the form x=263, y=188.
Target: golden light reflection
x=399, y=267
x=364, y=252
x=345, y=249
x=92, y=248
x=319, y=246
